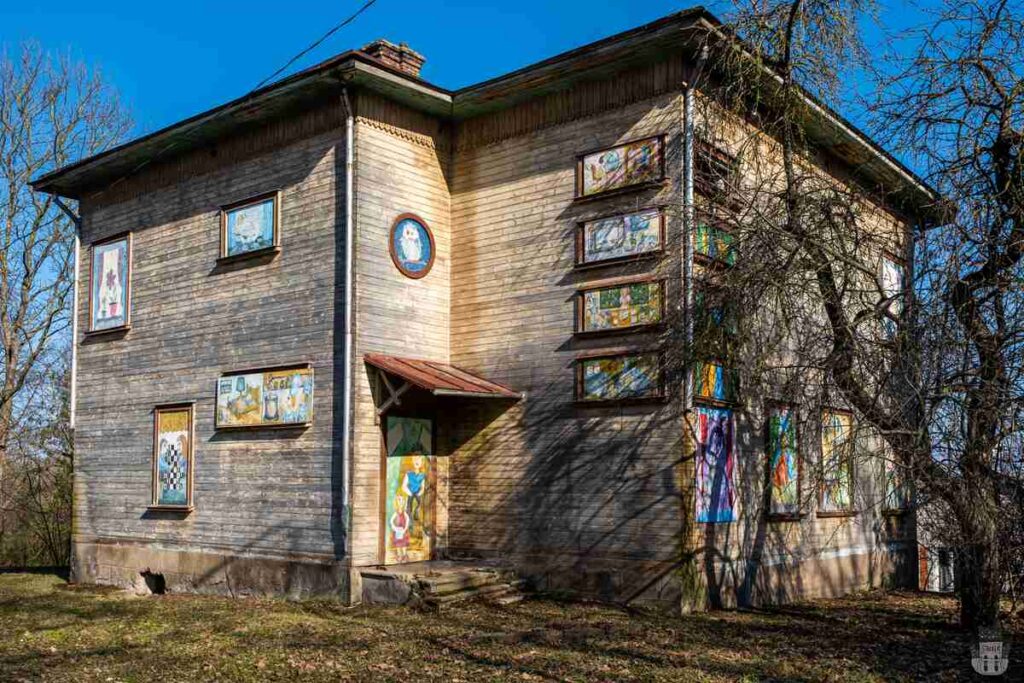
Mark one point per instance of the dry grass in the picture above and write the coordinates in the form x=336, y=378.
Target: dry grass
x=55, y=632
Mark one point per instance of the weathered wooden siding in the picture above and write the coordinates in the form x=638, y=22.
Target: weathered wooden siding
x=401, y=166
x=574, y=486
x=756, y=559
x=271, y=492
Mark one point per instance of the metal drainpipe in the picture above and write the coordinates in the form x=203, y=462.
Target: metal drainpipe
x=73, y=380
x=346, y=435
x=687, y=237
x=687, y=243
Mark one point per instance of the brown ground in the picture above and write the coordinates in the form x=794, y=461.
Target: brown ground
x=52, y=631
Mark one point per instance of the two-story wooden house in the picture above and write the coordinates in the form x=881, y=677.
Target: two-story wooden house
x=354, y=321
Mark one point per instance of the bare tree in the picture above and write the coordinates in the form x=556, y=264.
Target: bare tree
x=52, y=112
x=933, y=367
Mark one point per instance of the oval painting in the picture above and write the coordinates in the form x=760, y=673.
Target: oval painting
x=412, y=246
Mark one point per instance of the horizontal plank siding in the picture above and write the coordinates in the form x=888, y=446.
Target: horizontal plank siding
x=265, y=491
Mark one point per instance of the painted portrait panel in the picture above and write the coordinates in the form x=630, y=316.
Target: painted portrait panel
x=412, y=246
x=620, y=237
x=621, y=307
x=783, y=468
x=619, y=377
x=288, y=396
x=251, y=227
x=836, y=490
x=240, y=400
x=173, y=457
x=716, y=490
x=714, y=382
x=409, y=490
x=110, y=295
x=622, y=166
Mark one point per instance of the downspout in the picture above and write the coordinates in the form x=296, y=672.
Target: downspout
x=693, y=584
x=346, y=434
x=688, y=227
x=73, y=379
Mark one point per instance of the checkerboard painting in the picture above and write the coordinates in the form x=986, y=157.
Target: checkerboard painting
x=173, y=457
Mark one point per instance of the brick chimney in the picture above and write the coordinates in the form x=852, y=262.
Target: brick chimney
x=400, y=56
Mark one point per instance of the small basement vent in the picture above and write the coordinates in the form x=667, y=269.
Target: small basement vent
x=155, y=582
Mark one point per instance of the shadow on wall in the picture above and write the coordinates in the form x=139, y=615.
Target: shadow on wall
x=594, y=500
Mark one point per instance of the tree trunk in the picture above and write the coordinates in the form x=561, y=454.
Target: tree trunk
x=980, y=582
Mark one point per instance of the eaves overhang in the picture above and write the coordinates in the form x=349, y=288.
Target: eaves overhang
x=682, y=33
x=291, y=95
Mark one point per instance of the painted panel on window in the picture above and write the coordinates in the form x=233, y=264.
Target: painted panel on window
x=622, y=166
x=836, y=491
x=620, y=377
x=270, y=398
x=782, y=461
x=714, y=382
x=713, y=243
x=619, y=237
x=173, y=454
x=716, y=491
x=110, y=285
x=897, y=490
x=250, y=228
x=621, y=307
x=892, y=281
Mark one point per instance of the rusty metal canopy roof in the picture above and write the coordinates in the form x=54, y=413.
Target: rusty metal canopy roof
x=440, y=379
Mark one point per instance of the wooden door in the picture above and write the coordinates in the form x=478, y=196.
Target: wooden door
x=409, y=490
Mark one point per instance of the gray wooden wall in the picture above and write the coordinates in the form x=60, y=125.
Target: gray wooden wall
x=270, y=492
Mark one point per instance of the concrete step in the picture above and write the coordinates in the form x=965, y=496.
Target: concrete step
x=456, y=581
x=475, y=593
x=507, y=599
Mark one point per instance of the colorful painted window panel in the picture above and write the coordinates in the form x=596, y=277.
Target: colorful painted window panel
x=837, y=440
x=714, y=382
x=110, y=289
x=716, y=490
x=621, y=307
x=783, y=466
x=172, y=457
x=716, y=318
x=621, y=237
x=714, y=243
x=897, y=490
x=892, y=277
x=409, y=490
x=622, y=166
x=271, y=398
x=619, y=377
x=250, y=227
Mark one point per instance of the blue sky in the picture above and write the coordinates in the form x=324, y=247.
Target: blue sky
x=171, y=60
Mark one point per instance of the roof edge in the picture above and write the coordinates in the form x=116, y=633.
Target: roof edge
x=362, y=68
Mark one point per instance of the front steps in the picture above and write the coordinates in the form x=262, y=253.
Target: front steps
x=436, y=585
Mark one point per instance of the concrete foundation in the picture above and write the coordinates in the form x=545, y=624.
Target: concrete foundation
x=153, y=569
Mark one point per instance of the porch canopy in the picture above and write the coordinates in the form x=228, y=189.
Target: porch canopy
x=440, y=379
